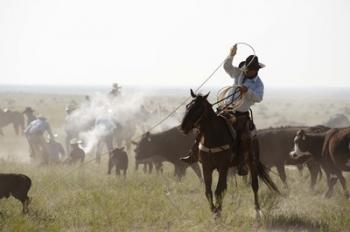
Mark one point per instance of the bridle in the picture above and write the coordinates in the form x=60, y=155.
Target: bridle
x=203, y=114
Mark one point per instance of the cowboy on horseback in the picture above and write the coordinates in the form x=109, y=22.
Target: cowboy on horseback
x=252, y=90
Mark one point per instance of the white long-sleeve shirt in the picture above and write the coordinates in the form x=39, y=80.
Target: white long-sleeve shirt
x=255, y=86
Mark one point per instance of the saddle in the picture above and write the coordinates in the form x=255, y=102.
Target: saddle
x=230, y=120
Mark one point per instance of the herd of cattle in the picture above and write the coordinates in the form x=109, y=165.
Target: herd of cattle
x=319, y=148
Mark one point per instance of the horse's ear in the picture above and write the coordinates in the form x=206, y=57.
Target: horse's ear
x=302, y=134
x=205, y=96
x=193, y=94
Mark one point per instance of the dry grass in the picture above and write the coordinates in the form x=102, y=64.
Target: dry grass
x=89, y=200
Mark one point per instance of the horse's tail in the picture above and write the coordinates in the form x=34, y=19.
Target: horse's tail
x=262, y=173
x=261, y=169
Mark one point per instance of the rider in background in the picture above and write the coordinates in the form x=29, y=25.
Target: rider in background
x=116, y=90
x=34, y=133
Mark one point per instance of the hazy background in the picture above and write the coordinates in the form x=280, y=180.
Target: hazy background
x=171, y=43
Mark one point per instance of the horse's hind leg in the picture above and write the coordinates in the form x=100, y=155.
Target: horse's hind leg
x=221, y=189
x=207, y=173
x=255, y=187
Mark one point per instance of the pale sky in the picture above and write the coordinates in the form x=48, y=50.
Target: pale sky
x=172, y=43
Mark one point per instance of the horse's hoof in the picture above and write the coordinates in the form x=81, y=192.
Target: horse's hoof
x=217, y=215
x=258, y=215
x=216, y=212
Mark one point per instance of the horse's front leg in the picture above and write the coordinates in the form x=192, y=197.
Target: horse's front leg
x=207, y=174
x=221, y=189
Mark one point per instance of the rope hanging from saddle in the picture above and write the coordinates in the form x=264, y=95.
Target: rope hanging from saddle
x=229, y=98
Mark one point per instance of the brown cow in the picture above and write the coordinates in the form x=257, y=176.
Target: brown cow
x=330, y=149
x=275, y=145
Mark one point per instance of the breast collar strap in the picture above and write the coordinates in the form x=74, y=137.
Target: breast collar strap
x=214, y=149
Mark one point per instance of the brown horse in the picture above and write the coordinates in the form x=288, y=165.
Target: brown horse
x=12, y=117
x=218, y=143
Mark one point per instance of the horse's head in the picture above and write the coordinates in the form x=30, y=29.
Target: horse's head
x=195, y=110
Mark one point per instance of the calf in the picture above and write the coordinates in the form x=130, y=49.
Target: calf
x=16, y=185
x=330, y=149
x=120, y=160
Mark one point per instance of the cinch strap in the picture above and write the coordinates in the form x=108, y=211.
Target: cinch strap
x=215, y=149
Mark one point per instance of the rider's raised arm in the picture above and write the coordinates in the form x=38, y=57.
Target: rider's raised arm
x=256, y=93
x=234, y=72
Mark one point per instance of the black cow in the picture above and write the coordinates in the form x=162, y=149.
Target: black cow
x=119, y=160
x=330, y=149
x=16, y=185
x=275, y=145
x=170, y=144
x=149, y=163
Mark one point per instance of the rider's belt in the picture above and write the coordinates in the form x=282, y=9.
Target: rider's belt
x=214, y=149
x=238, y=113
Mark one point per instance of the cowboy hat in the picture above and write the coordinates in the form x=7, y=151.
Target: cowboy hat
x=251, y=63
x=28, y=109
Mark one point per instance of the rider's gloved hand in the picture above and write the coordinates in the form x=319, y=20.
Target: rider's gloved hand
x=233, y=51
x=244, y=89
